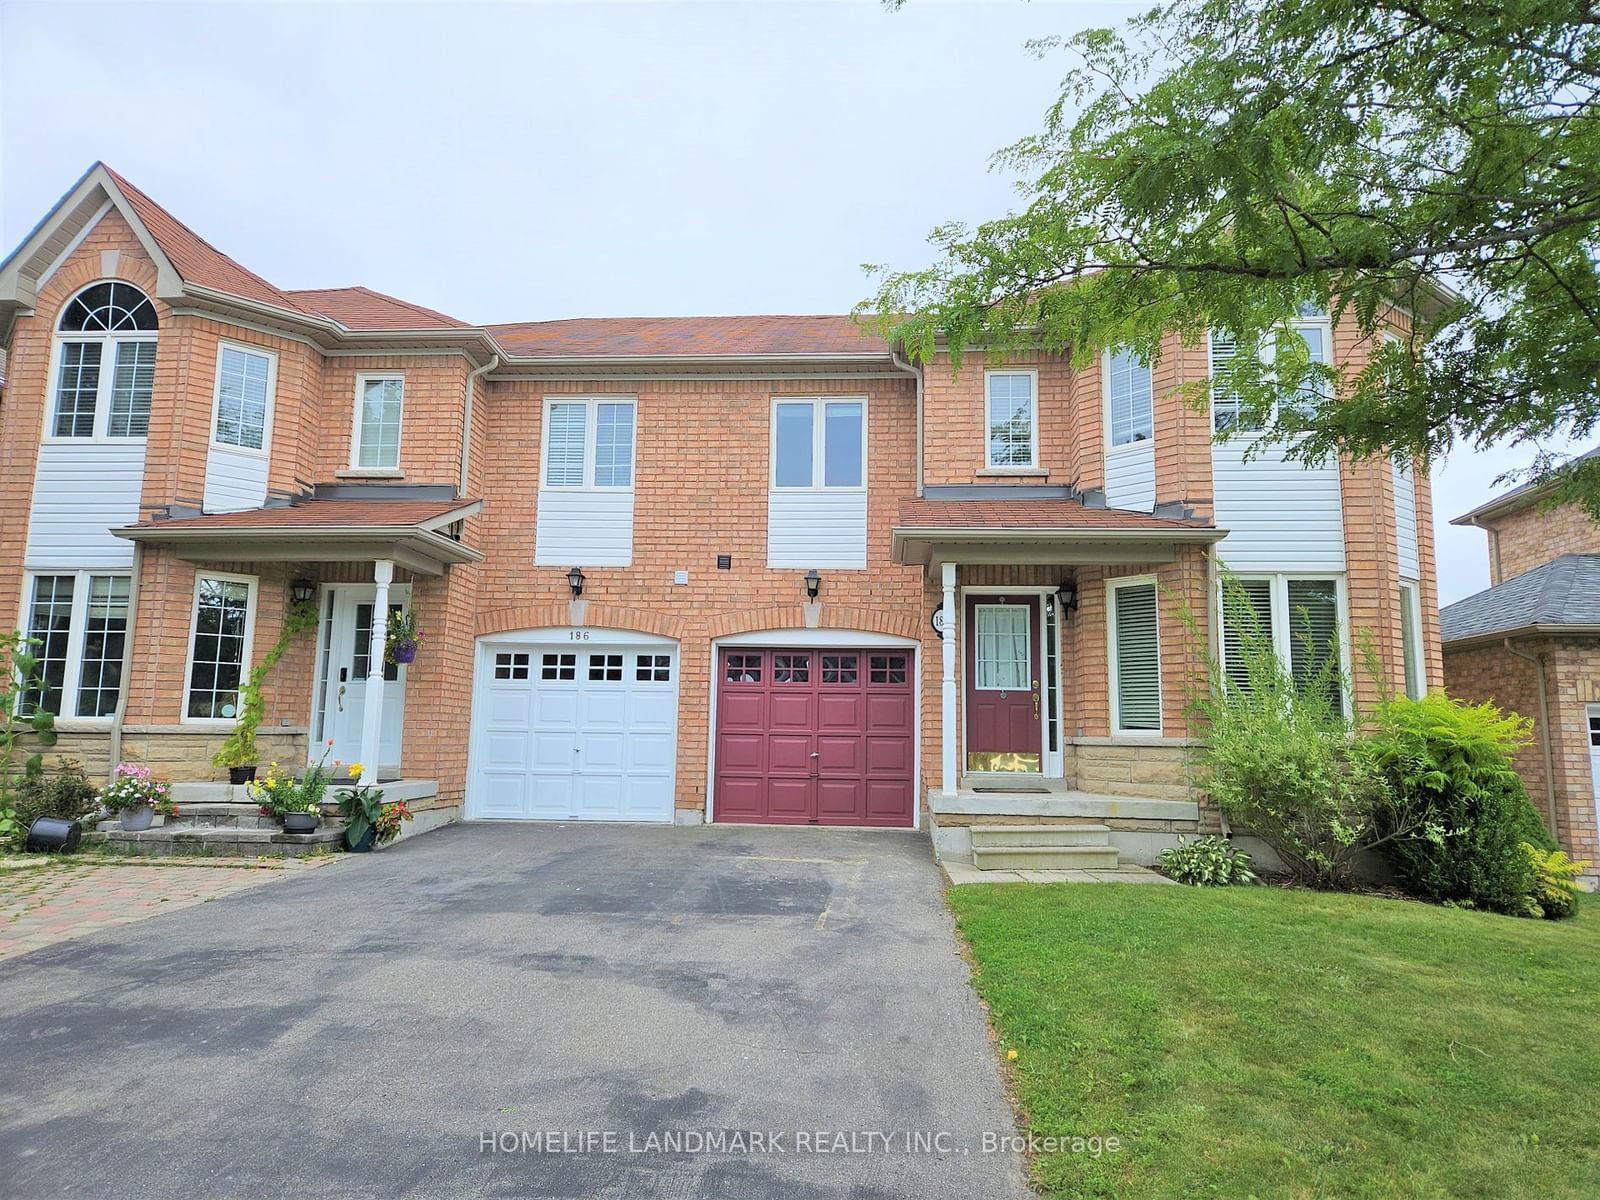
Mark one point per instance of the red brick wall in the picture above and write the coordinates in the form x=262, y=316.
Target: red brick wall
x=1532, y=536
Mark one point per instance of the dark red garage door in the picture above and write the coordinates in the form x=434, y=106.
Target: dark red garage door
x=815, y=737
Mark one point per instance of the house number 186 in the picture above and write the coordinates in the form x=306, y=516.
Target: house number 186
x=579, y=635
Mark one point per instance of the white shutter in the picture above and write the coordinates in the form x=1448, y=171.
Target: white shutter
x=563, y=463
x=1138, y=658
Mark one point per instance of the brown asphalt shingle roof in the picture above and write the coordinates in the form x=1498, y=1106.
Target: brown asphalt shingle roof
x=364, y=309
x=649, y=337
x=316, y=514
x=1029, y=514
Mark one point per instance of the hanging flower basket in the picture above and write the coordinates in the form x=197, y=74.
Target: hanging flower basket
x=403, y=637
x=403, y=652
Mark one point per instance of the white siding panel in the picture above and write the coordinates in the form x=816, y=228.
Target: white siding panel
x=1280, y=515
x=80, y=491
x=817, y=529
x=1131, y=477
x=234, y=480
x=584, y=529
x=1405, y=522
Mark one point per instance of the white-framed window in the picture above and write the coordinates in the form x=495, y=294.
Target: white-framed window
x=243, y=398
x=819, y=443
x=80, y=620
x=105, y=365
x=1303, y=616
x=588, y=443
x=380, y=399
x=1011, y=419
x=1135, y=655
x=1411, y=639
x=219, y=645
x=1227, y=408
x=1130, y=399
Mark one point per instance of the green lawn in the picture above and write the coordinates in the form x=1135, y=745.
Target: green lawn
x=1255, y=1042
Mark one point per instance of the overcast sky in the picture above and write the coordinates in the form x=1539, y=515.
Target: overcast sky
x=529, y=161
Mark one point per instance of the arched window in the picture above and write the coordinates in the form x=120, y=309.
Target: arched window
x=106, y=364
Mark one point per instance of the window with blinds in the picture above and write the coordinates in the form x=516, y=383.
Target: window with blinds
x=1136, y=655
x=1130, y=398
x=1227, y=407
x=1314, y=658
x=564, y=443
x=1246, y=620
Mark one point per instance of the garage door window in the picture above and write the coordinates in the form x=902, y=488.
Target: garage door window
x=791, y=668
x=605, y=668
x=839, y=668
x=886, y=668
x=557, y=666
x=510, y=666
x=744, y=668
x=653, y=668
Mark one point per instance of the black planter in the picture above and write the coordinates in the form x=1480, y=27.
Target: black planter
x=301, y=822
x=242, y=774
x=364, y=846
x=52, y=833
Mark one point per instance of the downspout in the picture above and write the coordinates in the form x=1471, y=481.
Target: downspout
x=1544, y=738
x=902, y=364
x=114, y=745
x=466, y=423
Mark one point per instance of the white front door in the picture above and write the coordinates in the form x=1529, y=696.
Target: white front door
x=345, y=639
x=584, y=730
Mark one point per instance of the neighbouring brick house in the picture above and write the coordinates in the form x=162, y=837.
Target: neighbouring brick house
x=1530, y=643
x=723, y=568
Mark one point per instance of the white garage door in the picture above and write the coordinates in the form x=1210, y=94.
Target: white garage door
x=575, y=731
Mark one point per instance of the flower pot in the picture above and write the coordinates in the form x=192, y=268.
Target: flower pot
x=364, y=845
x=135, y=819
x=404, y=651
x=301, y=822
x=241, y=774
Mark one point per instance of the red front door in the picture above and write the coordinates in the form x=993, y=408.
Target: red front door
x=1004, y=668
x=815, y=737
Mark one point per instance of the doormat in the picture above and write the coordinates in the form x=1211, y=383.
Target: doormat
x=1011, y=791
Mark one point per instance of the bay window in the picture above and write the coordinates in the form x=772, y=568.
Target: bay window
x=1302, y=619
x=79, y=620
x=1313, y=326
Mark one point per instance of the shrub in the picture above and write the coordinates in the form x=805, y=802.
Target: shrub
x=1278, y=756
x=1555, y=889
x=67, y=794
x=1209, y=861
x=1457, y=815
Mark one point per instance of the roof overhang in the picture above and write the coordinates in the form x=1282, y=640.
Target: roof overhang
x=930, y=545
x=420, y=548
x=1524, y=631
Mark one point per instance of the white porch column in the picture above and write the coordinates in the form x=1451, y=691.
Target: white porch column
x=952, y=622
x=372, y=714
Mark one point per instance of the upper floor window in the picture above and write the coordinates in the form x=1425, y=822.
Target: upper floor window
x=106, y=364
x=1012, y=409
x=380, y=399
x=244, y=392
x=1227, y=406
x=819, y=443
x=588, y=443
x=1130, y=398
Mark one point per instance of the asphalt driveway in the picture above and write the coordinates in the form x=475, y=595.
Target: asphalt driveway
x=551, y=1011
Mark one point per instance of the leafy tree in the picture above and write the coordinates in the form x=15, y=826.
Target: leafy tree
x=1217, y=164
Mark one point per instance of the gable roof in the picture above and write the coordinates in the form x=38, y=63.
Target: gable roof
x=1562, y=594
x=362, y=308
x=1516, y=498
x=678, y=337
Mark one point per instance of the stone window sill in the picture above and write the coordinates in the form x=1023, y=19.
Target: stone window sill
x=370, y=473
x=1014, y=473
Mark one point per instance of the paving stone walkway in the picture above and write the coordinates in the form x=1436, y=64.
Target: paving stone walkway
x=960, y=872
x=45, y=900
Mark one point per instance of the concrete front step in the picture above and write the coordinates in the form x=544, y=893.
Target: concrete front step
x=1041, y=835
x=220, y=841
x=228, y=816
x=1044, y=858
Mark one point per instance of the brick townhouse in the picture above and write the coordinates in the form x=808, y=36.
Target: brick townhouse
x=722, y=568
x=1530, y=643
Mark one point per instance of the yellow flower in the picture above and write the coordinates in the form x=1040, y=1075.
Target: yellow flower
x=1011, y=1056
x=356, y=770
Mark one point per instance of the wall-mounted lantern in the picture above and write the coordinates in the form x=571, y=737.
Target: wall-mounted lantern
x=813, y=584
x=575, y=581
x=301, y=590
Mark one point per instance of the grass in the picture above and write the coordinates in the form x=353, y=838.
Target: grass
x=1257, y=1042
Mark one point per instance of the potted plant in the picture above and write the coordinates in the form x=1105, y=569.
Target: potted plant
x=404, y=637
x=295, y=802
x=136, y=795
x=368, y=821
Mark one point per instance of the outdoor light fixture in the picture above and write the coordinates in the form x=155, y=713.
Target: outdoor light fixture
x=301, y=589
x=813, y=583
x=1067, y=593
x=575, y=581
